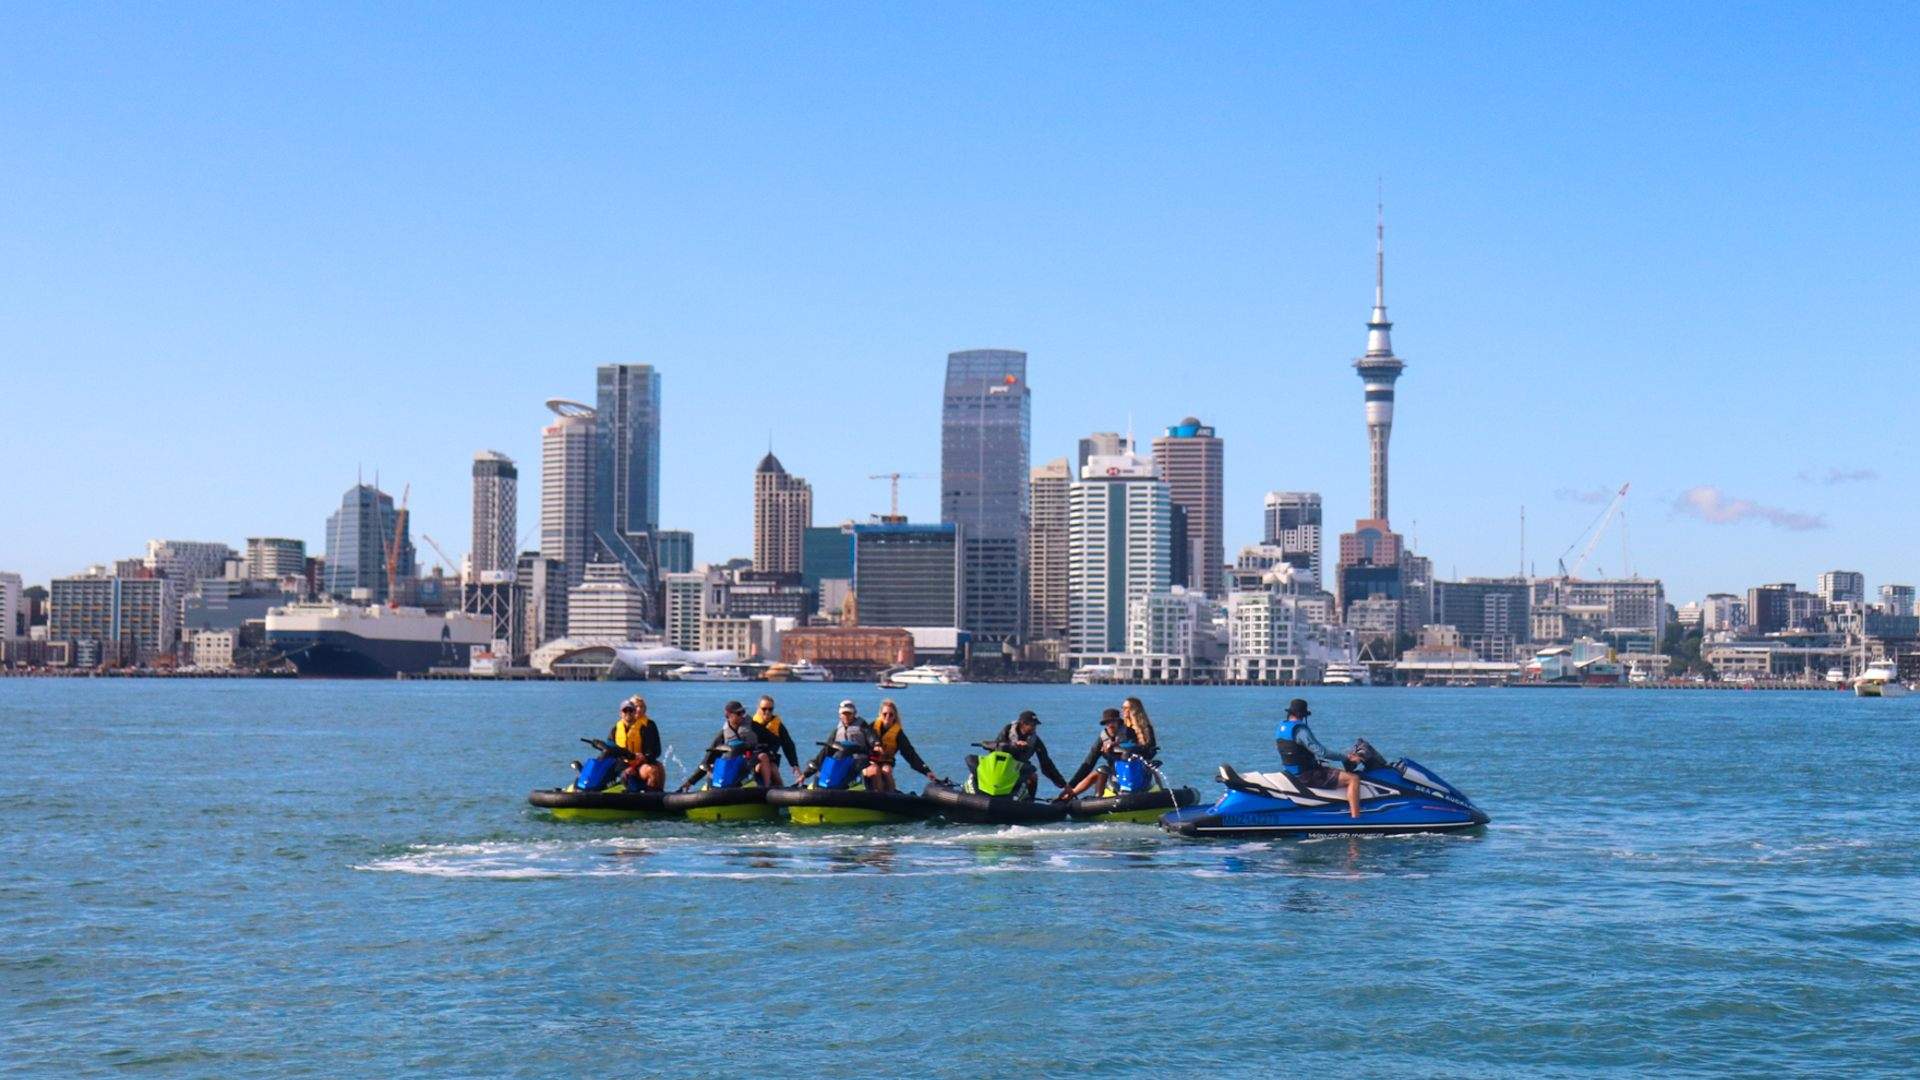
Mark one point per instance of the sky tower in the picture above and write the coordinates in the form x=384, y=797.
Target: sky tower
x=1379, y=369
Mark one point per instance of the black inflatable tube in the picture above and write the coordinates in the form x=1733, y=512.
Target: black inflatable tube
x=1133, y=801
x=903, y=803
x=560, y=799
x=682, y=801
x=977, y=809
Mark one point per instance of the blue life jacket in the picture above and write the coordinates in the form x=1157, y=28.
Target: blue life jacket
x=1291, y=738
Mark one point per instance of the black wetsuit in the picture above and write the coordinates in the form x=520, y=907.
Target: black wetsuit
x=782, y=738
x=1105, y=747
x=1025, y=750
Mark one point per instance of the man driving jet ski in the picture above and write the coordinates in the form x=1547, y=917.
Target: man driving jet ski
x=1302, y=757
x=1022, y=739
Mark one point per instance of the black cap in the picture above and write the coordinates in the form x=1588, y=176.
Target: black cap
x=1298, y=707
x=1110, y=716
x=735, y=707
x=1027, y=717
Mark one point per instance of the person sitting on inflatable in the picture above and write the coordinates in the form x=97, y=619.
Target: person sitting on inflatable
x=737, y=732
x=1135, y=716
x=637, y=734
x=1022, y=739
x=1301, y=757
x=769, y=721
x=1116, y=740
x=851, y=736
x=891, y=741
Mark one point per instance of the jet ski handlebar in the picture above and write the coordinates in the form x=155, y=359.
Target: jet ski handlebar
x=604, y=747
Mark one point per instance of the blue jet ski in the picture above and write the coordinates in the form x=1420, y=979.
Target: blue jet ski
x=1395, y=797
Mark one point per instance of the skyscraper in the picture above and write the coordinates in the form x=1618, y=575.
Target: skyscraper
x=187, y=561
x=358, y=535
x=1102, y=443
x=782, y=513
x=566, y=488
x=270, y=558
x=985, y=429
x=1189, y=459
x=496, y=499
x=1119, y=548
x=675, y=548
x=1838, y=585
x=1379, y=369
x=626, y=470
x=908, y=575
x=1047, y=551
x=1293, y=525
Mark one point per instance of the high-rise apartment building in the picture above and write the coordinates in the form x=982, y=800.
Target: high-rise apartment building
x=13, y=622
x=1189, y=458
x=1370, y=565
x=985, y=430
x=123, y=620
x=1838, y=585
x=1898, y=600
x=908, y=575
x=782, y=513
x=675, y=547
x=626, y=470
x=543, y=591
x=1722, y=612
x=1493, y=615
x=567, y=449
x=271, y=558
x=1100, y=444
x=686, y=605
x=496, y=501
x=187, y=562
x=606, y=605
x=1770, y=607
x=1047, y=551
x=1293, y=525
x=358, y=535
x=1119, y=548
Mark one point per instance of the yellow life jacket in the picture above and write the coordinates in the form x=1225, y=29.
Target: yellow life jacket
x=887, y=742
x=627, y=734
x=771, y=723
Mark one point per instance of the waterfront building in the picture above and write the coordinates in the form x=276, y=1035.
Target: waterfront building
x=187, y=561
x=1119, y=548
x=1838, y=585
x=496, y=501
x=543, y=592
x=1170, y=636
x=13, y=612
x=985, y=429
x=1190, y=459
x=1492, y=616
x=626, y=471
x=1690, y=615
x=908, y=575
x=1275, y=636
x=675, y=547
x=1293, y=526
x=849, y=649
x=1047, y=551
x=1416, y=592
x=113, y=619
x=686, y=604
x=274, y=558
x=1379, y=370
x=1722, y=613
x=752, y=592
x=782, y=513
x=1374, y=619
x=212, y=650
x=1770, y=607
x=358, y=535
x=606, y=605
x=1568, y=608
x=1898, y=600
x=567, y=450
x=749, y=637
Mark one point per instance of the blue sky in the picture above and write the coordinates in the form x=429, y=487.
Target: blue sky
x=248, y=250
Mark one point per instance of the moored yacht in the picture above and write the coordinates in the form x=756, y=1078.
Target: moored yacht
x=1346, y=675
x=707, y=673
x=1879, y=680
x=927, y=675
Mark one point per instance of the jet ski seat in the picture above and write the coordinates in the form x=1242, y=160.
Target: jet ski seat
x=1279, y=785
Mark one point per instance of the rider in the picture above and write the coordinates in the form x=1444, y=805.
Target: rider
x=753, y=742
x=1135, y=715
x=1301, y=754
x=892, y=740
x=852, y=736
x=769, y=721
x=1116, y=740
x=637, y=734
x=1022, y=739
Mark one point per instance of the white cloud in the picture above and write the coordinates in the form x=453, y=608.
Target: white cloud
x=1715, y=507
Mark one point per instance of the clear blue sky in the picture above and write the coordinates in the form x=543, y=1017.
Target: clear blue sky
x=246, y=250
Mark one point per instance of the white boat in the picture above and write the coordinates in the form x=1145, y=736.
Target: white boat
x=803, y=671
x=927, y=675
x=1092, y=674
x=1879, y=680
x=1346, y=675
x=1836, y=676
x=707, y=673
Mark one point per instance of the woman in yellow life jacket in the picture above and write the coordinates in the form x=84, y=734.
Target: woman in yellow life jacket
x=637, y=734
x=769, y=721
x=891, y=741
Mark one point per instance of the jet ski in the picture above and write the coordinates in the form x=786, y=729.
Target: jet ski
x=1395, y=797
x=1133, y=793
x=730, y=792
x=597, y=794
x=992, y=795
x=838, y=795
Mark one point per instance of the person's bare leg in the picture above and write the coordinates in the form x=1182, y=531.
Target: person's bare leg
x=1353, y=794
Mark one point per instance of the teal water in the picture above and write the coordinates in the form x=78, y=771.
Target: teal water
x=323, y=878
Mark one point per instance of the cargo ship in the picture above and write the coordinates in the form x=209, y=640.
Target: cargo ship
x=357, y=640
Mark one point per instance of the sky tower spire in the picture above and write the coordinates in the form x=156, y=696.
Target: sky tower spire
x=1379, y=369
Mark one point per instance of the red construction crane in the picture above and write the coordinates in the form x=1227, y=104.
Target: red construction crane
x=393, y=549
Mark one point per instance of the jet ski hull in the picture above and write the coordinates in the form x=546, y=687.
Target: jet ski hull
x=723, y=804
x=567, y=804
x=849, y=806
x=975, y=808
x=1145, y=807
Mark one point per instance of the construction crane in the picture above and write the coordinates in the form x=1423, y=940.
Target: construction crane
x=446, y=561
x=393, y=549
x=1593, y=533
x=893, y=512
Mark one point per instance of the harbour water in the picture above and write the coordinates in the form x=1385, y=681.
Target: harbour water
x=251, y=878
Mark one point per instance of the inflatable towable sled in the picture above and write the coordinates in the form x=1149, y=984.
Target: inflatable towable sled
x=838, y=795
x=994, y=793
x=1132, y=793
x=597, y=794
x=730, y=792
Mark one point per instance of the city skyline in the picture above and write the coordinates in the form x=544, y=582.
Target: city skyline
x=1587, y=302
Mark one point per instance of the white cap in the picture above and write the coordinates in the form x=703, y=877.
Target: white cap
x=849, y=706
